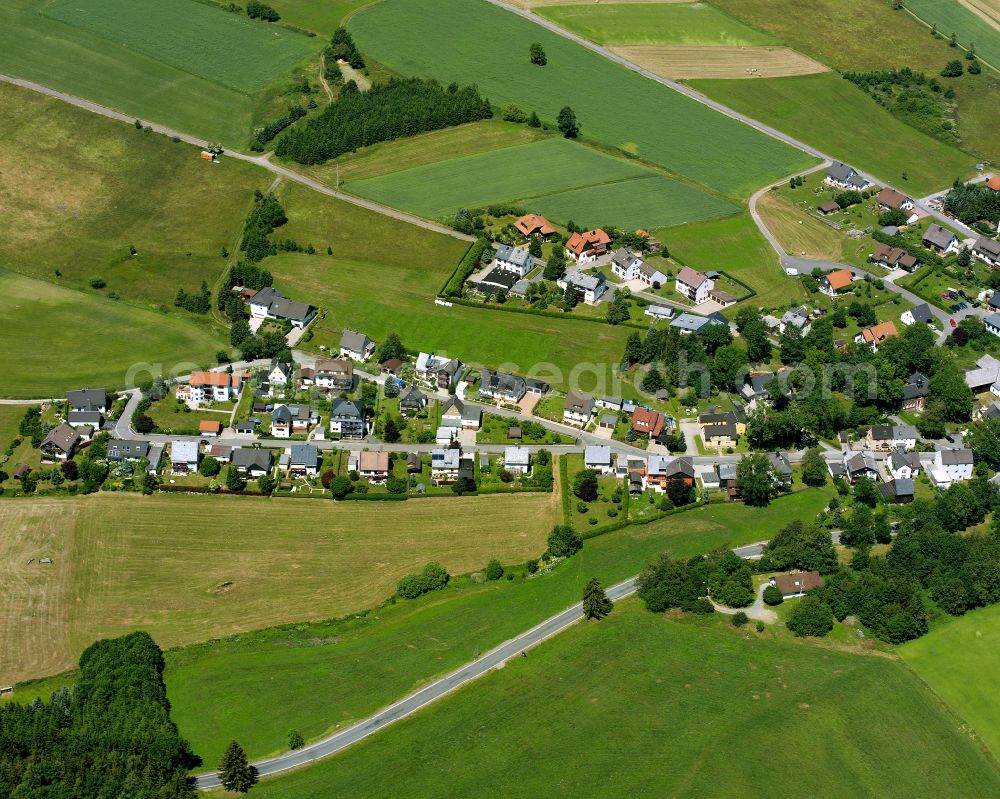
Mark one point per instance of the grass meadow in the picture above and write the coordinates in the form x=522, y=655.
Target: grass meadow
x=958, y=660
x=185, y=64
x=56, y=339
x=176, y=566
x=672, y=698
x=613, y=105
x=834, y=115
x=556, y=177
x=655, y=23
x=92, y=188
x=969, y=28
x=383, y=277
x=840, y=33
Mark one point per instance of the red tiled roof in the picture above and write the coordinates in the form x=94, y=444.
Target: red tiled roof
x=648, y=421
x=588, y=240
x=209, y=426
x=879, y=332
x=215, y=379
x=533, y=223
x=993, y=183
x=840, y=279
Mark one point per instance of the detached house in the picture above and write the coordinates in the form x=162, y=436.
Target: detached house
x=347, y=418
x=87, y=407
x=436, y=370
x=903, y=465
x=269, y=303
x=693, y=285
x=120, y=451
x=303, y=459
x=860, y=465
x=588, y=246
x=59, y=443
x=661, y=470
x=183, y=456
x=891, y=438
x=951, y=466
x=796, y=583
x=891, y=200
x=517, y=460
x=628, y=265
x=598, y=458
x=647, y=422
x=845, y=177
x=356, y=346
x=579, y=407
x=334, y=374
x=215, y=386
x=288, y=420
x=937, y=239
x=720, y=435
x=280, y=373
x=834, y=282
x=917, y=314
x=873, y=336
x=412, y=400
x=915, y=392
x=445, y=463
x=992, y=323
x=987, y=250
x=588, y=288
x=252, y=461
x=517, y=260
x=534, y=225
x=374, y=466
x=501, y=386
x=893, y=258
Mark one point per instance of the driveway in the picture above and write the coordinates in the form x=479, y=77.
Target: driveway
x=758, y=610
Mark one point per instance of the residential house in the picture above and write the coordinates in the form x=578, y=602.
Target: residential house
x=799, y=318
x=860, y=465
x=516, y=260
x=215, y=386
x=758, y=386
x=579, y=407
x=735, y=417
x=497, y=280
x=661, y=470
x=534, y=225
x=517, y=460
x=183, y=456
x=828, y=208
x=993, y=183
x=87, y=400
x=726, y=474
x=347, y=418
x=890, y=438
x=598, y=458
x=279, y=373
x=501, y=386
x=893, y=258
x=899, y=490
x=647, y=422
x=305, y=376
x=845, y=177
x=693, y=285
x=289, y=420
x=629, y=266
x=356, y=346
x=891, y=200
x=374, y=466
x=59, y=443
x=210, y=427
x=688, y=323
x=797, y=583
x=915, y=392
x=875, y=335
x=720, y=435
x=986, y=373
x=392, y=366
x=412, y=400
x=437, y=370
x=609, y=403
x=780, y=465
x=269, y=303
x=987, y=250
x=951, y=466
x=588, y=288
x=334, y=374
x=834, y=282
x=252, y=461
x=659, y=312
x=992, y=323
x=918, y=314
x=588, y=246
x=303, y=460
x=451, y=413
x=903, y=464
x=937, y=239
x=120, y=451
x=445, y=463
x=91, y=419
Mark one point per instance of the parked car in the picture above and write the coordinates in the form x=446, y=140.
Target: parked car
x=953, y=323
x=953, y=308
x=963, y=305
x=976, y=304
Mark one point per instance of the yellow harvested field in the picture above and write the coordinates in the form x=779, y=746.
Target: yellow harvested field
x=688, y=61
x=189, y=568
x=796, y=231
x=987, y=10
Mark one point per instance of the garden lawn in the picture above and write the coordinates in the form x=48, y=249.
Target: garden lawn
x=958, y=660
x=186, y=64
x=655, y=23
x=357, y=665
x=613, y=105
x=80, y=189
x=840, y=33
x=56, y=339
x=556, y=177
x=951, y=16
x=664, y=693
x=834, y=115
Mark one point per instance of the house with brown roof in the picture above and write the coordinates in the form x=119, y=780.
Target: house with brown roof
x=588, y=246
x=993, y=183
x=534, y=225
x=647, y=422
x=834, y=282
x=373, y=466
x=59, y=443
x=334, y=374
x=693, y=285
x=875, y=335
x=893, y=258
x=892, y=200
x=797, y=583
x=828, y=208
x=579, y=407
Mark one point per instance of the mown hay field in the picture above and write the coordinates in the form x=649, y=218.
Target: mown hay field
x=685, y=61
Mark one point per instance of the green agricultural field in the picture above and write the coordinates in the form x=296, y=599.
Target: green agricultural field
x=834, y=115
x=613, y=105
x=561, y=179
x=186, y=64
x=952, y=16
x=322, y=18
x=383, y=277
x=736, y=246
x=57, y=339
x=841, y=32
x=172, y=564
x=655, y=23
x=93, y=187
x=361, y=664
x=664, y=694
x=958, y=660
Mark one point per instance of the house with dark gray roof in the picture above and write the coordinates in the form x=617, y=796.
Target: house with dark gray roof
x=501, y=386
x=347, y=418
x=269, y=303
x=514, y=259
x=898, y=490
x=120, y=450
x=915, y=392
x=87, y=400
x=918, y=314
x=846, y=177
x=254, y=461
x=303, y=459
x=987, y=250
x=412, y=400
x=356, y=346
x=937, y=239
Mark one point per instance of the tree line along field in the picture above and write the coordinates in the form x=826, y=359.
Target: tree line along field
x=952, y=16
x=836, y=116
x=690, y=694
x=613, y=105
x=185, y=64
x=840, y=33
x=176, y=566
x=555, y=177
x=655, y=23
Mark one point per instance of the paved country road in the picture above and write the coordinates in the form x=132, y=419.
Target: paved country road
x=259, y=160
x=439, y=688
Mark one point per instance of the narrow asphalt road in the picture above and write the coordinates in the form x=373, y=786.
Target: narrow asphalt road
x=494, y=659
x=259, y=160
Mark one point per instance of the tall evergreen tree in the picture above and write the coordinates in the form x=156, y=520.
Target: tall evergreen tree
x=567, y=124
x=596, y=604
x=235, y=771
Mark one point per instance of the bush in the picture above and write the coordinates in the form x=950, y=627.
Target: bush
x=702, y=606
x=772, y=596
x=97, y=283
x=563, y=541
x=209, y=467
x=740, y=619
x=295, y=740
x=760, y=626
x=494, y=571
x=531, y=566
x=432, y=578
x=582, y=507
x=811, y=616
